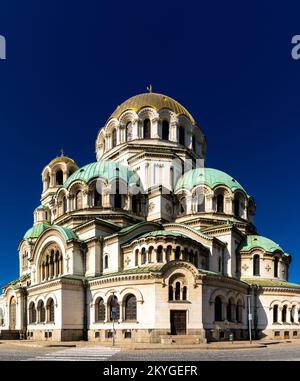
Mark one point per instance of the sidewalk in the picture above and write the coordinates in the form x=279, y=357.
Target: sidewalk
x=147, y=346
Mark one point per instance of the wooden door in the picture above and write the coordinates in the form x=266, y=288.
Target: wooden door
x=178, y=322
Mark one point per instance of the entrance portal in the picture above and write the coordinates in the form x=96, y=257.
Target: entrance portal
x=12, y=314
x=178, y=322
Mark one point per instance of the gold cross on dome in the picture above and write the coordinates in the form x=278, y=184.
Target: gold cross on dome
x=149, y=88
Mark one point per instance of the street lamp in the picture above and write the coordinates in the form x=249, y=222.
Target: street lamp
x=113, y=316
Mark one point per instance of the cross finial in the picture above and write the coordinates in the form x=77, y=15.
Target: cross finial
x=62, y=152
x=149, y=88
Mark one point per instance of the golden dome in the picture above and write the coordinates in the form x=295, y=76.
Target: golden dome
x=157, y=101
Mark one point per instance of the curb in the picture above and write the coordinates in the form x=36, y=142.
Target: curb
x=182, y=348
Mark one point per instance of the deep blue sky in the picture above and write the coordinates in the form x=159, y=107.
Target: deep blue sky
x=70, y=63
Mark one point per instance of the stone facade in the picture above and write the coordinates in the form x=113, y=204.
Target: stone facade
x=147, y=243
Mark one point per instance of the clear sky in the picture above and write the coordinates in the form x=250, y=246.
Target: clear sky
x=70, y=63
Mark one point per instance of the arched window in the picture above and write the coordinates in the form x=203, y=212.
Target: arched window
x=106, y=262
x=200, y=203
x=137, y=257
x=181, y=136
x=165, y=130
x=97, y=199
x=218, y=309
x=143, y=256
x=182, y=205
x=150, y=254
x=177, y=291
x=177, y=253
x=32, y=313
x=299, y=316
x=284, y=313
x=136, y=204
x=65, y=205
x=41, y=312
x=117, y=197
x=51, y=264
x=59, y=177
x=48, y=181
x=229, y=310
x=237, y=207
x=78, y=200
x=99, y=310
x=275, y=313
x=256, y=265
x=147, y=129
x=50, y=311
x=220, y=203
x=114, y=308
x=168, y=253
x=276, y=262
x=114, y=138
x=128, y=131
x=171, y=293
x=184, y=293
x=130, y=308
x=159, y=254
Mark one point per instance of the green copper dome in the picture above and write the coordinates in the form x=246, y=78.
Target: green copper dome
x=36, y=231
x=210, y=177
x=258, y=242
x=103, y=169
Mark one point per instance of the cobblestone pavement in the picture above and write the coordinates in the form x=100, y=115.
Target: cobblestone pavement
x=279, y=352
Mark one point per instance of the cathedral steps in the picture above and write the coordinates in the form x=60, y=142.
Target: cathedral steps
x=182, y=339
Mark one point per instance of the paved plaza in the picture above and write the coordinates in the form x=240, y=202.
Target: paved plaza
x=275, y=352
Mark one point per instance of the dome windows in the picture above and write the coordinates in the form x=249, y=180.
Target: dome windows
x=147, y=129
x=59, y=177
x=220, y=203
x=114, y=138
x=256, y=265
x=181, y=135
x=128, y=131
x=165, y=130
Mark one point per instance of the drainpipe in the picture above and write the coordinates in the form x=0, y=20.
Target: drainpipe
x=85, y=310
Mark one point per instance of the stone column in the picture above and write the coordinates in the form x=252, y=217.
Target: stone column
x=288, y=315
x=209, y=203
x=135, y=129
x=279, y=315
x=228, y=207
x=155, y=128
x=121, y=318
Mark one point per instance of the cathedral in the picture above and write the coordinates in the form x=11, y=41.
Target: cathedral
x=148, y=245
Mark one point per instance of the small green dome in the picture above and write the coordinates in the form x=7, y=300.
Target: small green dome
x=104, y=169
x=36, y=231
x=208, y=176
x=42, y=207
x=258, y=242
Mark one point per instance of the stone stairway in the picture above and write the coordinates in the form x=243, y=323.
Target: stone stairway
x=182, y=339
